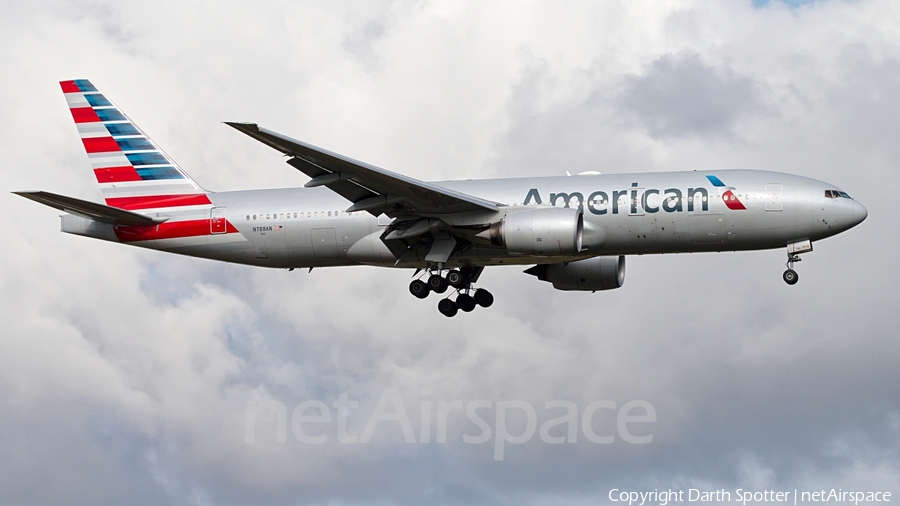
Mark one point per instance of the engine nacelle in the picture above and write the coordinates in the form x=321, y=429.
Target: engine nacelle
x=544, y=232
x=590, y=274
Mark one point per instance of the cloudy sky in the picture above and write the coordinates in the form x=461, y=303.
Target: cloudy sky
x=126, y=376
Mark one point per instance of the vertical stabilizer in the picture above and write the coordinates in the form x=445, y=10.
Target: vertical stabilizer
x=133, y=172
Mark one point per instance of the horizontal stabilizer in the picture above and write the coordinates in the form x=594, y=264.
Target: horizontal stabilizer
x=92, y=210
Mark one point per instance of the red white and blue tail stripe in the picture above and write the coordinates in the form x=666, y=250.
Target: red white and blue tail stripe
x=133, y=172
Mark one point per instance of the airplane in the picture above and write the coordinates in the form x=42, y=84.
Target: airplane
x=574, y=231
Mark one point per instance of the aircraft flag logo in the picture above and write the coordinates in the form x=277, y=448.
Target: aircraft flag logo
x=731, y=200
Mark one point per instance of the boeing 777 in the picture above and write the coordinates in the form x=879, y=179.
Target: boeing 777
x=576, y=231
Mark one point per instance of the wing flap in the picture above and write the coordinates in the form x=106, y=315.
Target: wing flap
x=358, y=181
x=92, y=210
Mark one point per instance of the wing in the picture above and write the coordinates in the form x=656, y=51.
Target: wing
x=92, y=210
x=369, y=188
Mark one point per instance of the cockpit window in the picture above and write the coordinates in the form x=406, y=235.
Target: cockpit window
x=835, y=194
x=829, y=194
x=844, y=194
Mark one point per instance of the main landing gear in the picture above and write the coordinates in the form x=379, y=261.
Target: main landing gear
x=461, y=281
x=790, y=276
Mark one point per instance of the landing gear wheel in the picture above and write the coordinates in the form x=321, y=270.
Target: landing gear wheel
x=790, y=277
x=465, y=302
x=419, y=289
x=456, y=279
x=447, y=307
x=483, y=297
x=437, y=283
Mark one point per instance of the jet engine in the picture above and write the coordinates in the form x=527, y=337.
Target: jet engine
x=598, y=273
x=545, y=232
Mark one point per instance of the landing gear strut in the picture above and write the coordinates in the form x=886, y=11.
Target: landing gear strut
x=461, y=280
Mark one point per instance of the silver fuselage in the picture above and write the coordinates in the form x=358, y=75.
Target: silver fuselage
x=624, y=214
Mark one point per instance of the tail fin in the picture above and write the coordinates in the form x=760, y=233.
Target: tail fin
x=133, y=172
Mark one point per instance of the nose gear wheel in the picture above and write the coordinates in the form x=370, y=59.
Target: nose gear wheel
x=790, y=277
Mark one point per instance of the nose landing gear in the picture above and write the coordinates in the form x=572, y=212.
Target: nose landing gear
x=790, y=276
x=461, y=280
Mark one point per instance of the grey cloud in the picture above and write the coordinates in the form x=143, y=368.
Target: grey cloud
x=361, y=42
x=680, y=95
x=581, y=134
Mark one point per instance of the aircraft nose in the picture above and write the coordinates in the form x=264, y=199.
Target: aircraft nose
x=859, y=212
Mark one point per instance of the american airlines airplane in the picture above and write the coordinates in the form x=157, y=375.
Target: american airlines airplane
x=575, y=231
